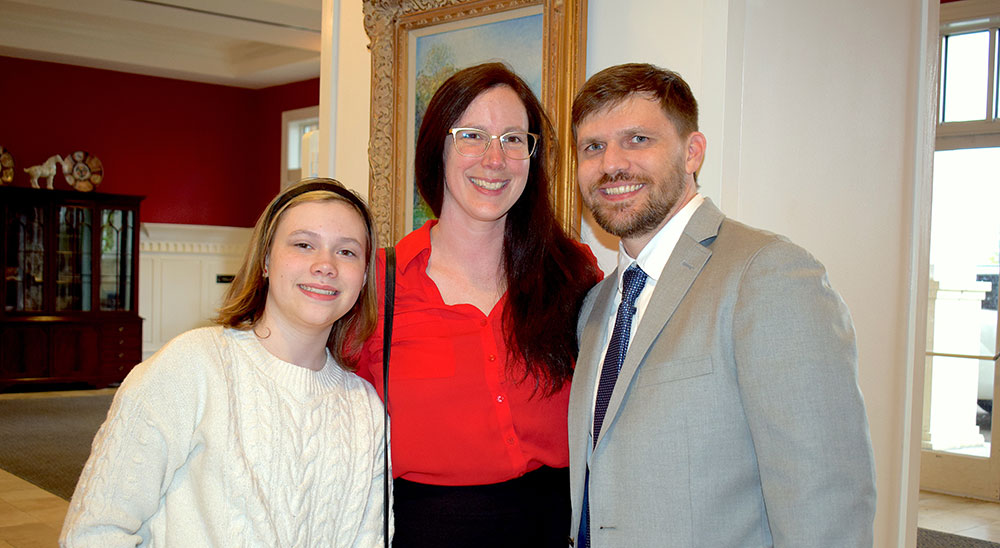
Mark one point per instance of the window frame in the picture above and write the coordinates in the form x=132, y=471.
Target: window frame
x=963, y=18
x=291, y=119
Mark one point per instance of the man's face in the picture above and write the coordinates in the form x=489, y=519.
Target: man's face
x=634, y=170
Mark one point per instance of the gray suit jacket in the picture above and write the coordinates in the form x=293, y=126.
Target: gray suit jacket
x=736, y=420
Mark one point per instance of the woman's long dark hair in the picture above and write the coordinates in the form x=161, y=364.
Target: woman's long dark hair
x=547, y=274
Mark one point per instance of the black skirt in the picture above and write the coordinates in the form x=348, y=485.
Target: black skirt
x=530, y=511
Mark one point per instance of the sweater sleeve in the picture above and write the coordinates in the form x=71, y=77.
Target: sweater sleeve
x=144, y=440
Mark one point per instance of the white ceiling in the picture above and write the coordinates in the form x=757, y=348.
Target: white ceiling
x=245, y=43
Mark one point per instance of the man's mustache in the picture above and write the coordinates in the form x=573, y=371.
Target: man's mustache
x=621, y=176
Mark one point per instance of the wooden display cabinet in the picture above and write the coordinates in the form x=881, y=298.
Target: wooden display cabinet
x=70, y=287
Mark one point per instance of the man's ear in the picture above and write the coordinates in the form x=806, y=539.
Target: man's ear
x=696, y=145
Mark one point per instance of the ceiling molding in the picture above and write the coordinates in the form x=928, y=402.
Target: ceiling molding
x=245, y=43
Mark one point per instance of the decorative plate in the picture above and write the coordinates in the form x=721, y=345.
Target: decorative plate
x=83, y=171
x=6, y=166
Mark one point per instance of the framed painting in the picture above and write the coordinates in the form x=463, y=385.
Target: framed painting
x=417, y=44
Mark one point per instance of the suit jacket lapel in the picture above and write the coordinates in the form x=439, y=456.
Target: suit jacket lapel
x=685, y=263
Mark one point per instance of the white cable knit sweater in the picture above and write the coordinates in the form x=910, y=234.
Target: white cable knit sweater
x=215, y=442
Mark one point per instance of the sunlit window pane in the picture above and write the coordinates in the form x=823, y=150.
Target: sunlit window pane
x=296, y=130
x=966, y=76
x=962, y=298
x=959, y=421
x=965, y=243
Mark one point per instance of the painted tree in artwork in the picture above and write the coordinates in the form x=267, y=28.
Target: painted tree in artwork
x=438, y=66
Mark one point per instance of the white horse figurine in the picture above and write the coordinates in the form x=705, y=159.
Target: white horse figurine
x=47, y=170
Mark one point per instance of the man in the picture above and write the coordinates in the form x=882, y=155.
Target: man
x=724, y=400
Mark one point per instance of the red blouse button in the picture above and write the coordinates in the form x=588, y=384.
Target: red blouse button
x=510, y=441
x=500, y=399
x=482, y=323
x=492, y=357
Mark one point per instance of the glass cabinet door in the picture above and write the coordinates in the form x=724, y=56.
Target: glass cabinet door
x=73, y=259
x=116, y=259
x=24, y=265
x=68, y=296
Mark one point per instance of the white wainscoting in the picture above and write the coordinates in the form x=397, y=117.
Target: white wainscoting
x=178, y=266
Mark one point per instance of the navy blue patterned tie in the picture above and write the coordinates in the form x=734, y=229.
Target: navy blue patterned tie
x=633, y=281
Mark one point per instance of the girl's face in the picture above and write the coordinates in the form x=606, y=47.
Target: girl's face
x=316, y=266
x=484, y=188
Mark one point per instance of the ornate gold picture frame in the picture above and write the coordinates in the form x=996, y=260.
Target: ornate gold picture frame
x=389, y=24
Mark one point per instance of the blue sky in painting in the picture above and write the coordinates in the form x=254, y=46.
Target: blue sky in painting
x=516, y=41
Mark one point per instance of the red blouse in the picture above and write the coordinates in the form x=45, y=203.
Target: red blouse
x=456, y=417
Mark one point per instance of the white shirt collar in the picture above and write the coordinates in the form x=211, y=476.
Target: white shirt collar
x=654, y=256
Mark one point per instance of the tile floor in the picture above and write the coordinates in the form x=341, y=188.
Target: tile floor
x=961, y=516
x=31, y=517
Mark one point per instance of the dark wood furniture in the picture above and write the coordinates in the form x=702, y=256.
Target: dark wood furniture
x=70, y=289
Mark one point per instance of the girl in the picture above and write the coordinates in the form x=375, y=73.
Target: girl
x=253, y=432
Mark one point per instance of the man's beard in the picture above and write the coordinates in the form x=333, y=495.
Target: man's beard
x=617, y=219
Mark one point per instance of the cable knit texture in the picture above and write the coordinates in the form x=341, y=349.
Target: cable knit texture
x=215, y=442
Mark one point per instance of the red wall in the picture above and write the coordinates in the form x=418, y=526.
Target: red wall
x=200, y=153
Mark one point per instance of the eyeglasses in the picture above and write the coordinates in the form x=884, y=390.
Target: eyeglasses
x=471, y=142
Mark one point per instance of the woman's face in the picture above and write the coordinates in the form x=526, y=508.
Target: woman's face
x=483, y=189
x=316, y=266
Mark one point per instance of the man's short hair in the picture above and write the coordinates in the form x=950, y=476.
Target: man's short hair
x=614, y=84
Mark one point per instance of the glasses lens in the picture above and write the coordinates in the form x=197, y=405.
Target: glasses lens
x=518, y=144
x=471, y=142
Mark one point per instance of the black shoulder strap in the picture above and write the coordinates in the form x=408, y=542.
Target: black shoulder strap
x=390, y=297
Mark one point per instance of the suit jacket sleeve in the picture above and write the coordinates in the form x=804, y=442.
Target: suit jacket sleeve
x=796, y=360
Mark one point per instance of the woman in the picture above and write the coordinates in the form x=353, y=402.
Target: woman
x=484, y=331
x=254, y=432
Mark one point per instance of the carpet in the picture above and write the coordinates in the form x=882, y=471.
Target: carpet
x=927, y=538
x=46, y=441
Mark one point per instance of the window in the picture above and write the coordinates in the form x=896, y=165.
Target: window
x=297, y=127
x=965, y=233
x=967, y=76
x=968, y=100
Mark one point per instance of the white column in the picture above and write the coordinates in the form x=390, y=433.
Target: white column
x=328, y=77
